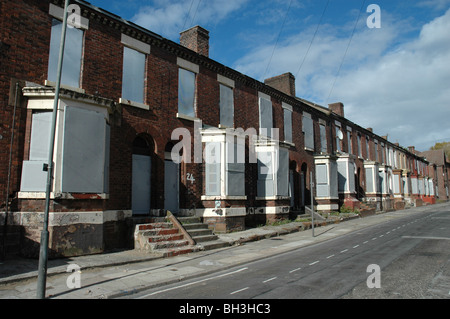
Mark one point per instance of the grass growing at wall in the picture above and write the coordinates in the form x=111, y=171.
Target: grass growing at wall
x=347, y=210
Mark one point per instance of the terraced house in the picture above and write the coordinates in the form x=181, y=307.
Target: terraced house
x=145, y=125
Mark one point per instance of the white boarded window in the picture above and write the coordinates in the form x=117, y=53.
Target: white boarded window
x=40, y=135
x=34, y=179
x=376, y=151
x=370, y=183
x=367, y=148
x=322, y=180
x=235, y=168
x=287, y=125
x=71, y=70
x=186, y=92
x=265, y=115
x=265, y=174
x=133, y=76
x=359, y=146
x=85, y=154
x=308, y=131
x=323, y=138
x=212, y=168
x=83, y=163
x=283, y=172
x=338, y=139
x=226, y=106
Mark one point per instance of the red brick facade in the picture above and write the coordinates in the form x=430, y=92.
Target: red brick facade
x=24, y=51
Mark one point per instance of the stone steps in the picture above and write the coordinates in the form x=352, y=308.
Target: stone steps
x=164, y=238
x=199, y=232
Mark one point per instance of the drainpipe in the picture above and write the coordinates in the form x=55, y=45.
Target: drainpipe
x=9, y=173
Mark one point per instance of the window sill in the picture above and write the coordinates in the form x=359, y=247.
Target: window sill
x=134, y=104
x=187, y=117
x=273, y=197
x=42, y=195
x=63, y=86
x=225, y=197
x=225, y=126
x=309, y=149
x=289, y=143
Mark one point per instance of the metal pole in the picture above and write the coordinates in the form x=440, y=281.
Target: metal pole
x=5, y=232
x=43, y=254
x=311, y=183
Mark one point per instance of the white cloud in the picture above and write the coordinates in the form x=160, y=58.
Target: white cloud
x=435, y=4
x=399, y=89
x=168, y=18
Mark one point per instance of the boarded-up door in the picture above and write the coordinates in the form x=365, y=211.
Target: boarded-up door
x=171, y=186
x=140, y=198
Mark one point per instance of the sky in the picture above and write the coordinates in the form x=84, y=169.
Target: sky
x=390, y=67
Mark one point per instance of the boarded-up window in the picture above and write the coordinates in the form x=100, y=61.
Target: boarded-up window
x=322, y=180
x=367, y=148
x=323, y=138
x=287, y=125
x=338, y=138
x=370, y=187
x=40, y=135
x=342, y=176
x=72, y=54
x=265, y=117
x=85, y=154
x=235, y=168
x=226, y=106
x=376, y=151
x=34, y=179
x=359, y=146
x=212, y=168
x=265, y=174
x=84, y=157
x=186, y=92
x=283, y=172
x=308, y=131
x=133, y=75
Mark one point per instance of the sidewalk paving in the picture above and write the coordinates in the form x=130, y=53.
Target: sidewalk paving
x=118, y=273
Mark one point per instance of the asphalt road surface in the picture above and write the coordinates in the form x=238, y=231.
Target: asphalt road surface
x=404, y=258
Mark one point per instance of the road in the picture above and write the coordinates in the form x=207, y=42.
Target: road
x=412, y=252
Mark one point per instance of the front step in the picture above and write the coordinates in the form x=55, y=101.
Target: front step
x=197, y=230
x=165, y=239
x=155, y=236
x=201, y=234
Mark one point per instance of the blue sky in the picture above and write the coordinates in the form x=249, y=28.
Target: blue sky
x=395, y=79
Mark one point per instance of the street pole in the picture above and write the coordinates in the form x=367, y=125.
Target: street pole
x=43, y=253
x=311, y=183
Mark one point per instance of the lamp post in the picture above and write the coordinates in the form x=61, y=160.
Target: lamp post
x=312, y=201
x=43, y=253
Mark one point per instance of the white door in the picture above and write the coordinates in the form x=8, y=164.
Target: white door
x=171, y=186
x=140, y=197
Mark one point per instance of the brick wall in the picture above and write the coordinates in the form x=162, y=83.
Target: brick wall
x=24, y=47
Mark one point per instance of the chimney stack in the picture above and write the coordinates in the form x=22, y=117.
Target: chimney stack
x=196, y=39
x=337, y=108
x=284, y=83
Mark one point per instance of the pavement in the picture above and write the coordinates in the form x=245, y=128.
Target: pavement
x=120, y=273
